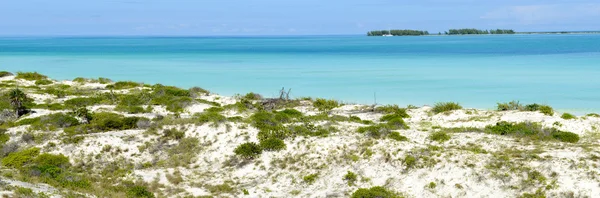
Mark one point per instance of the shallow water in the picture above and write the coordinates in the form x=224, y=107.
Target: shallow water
x=477, y=71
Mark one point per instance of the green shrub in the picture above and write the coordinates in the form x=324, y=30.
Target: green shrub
x=249, y=150
x=20, y=158
x=123, y=85
x=5, y=74
x=293, y=113
x=410, y=161
x=310, y=179
x=532, y=107
x=396, y=136
x=568, y=116
x=392, y=109
x=439, y=136
x=211, y=116
x=199, y=90
x=376, y=131
x=43, y=82
x=161, y=90
x=272, y=144
x=253, y=96
x=139, y=192
x=104, y=121
x=351, y=178
x=83, y=102
x=593, y=115
x=531, y=130
x=374, y=192
x=445, y=107
x=24, y=192
x=52, y=121
x=173, y=134
x=566, y=136
x=325, y=105
x=32, y=76
x=510, y=106
x=547, y=110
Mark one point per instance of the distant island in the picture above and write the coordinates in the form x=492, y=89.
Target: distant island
x=466, y=31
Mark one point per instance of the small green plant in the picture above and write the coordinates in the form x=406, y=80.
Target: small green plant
x=445, y=107
x=531, y=130
x=393, y=110
x=351, y=178
x=568, y=116
x=32, y=76
x=43, y=82
x=431, y=185
x=565, y=136
x=374, y=192
x=396, y=136
x=249, y=150
x=310, y=179
x=252, y=96
x=439, y=136
x=325, y=105
x=546, y=110
x=272, y=144
x=410, y=161
x=139, y=192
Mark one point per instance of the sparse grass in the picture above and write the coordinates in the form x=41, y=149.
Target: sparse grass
x=439, y=136
x=445, y=107
x=568, y=116
x=396, y=136
x=272, y=144
x=533, y=131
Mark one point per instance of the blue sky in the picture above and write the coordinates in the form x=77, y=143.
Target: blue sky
x=286, y=17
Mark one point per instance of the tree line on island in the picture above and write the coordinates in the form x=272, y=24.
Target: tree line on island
x=449, y=32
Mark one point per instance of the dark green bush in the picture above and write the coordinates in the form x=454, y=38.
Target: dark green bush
x=374, y=192
x=139, y=192
x=32, y=76
x=445, y=107
x=532, y=107
x=350, y=177
x=58, y=120
x=396, y=136
x=161, y=90
x=272, y=144
x=309, y=179
x=43, y=82
x=211, y=116
x=123, y=85
x=173, y=134
x=393, y=110
x=253, y=96
x=110, y=121
x=376, y=131
x=5, y=74
x=325, y=105
x=249, y=150
x=593, y=115
x=19, y=159
x=439, y=136
x=568, y=116
x=293, y=113
x=545, y=109
x=565, y=136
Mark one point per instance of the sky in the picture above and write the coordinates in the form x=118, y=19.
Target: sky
x=288, y=17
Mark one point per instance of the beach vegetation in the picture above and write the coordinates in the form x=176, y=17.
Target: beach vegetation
x=252, y=96
x=530, y=130
x=439, y=136
x=248, y=150
x=374, y=192
x=445, y=107
x=510, y=106
x=325, y=105
x=5, y=74
x=396, y=136
x=139, y=192
x=19, y=101
x=123, y=85
x=310, y=179
x=568, y=116
x=43, y=82
x=31, y=76
x=392, y=110
x=476, y=31
x=272, y=144
x=593, y=115
x=91, y=80
x=351, y=178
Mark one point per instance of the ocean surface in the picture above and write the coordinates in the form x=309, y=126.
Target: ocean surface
x=477, y=71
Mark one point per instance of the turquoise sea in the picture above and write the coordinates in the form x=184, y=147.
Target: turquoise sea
x=477, y=71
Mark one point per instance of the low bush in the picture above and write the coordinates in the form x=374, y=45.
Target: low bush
x=83, y=102
x=393, y=110
x=139, y=192
x=510, y=106
x=43, y=82
x=211, y=116
x=173, y=134
x=19, y=159
x=396, y=136
x=32, y=76
x=410, y=161
x=325, y=105
x=376, y=131
x=439, y=136
x=249, y=150
x=374, y=192
x=593, y=115
x=253, y=96
x=568, y=116
x=104, y=121
x=445, y=107
x=545, y=109
x=531, y=130
x=123, y=85
x=5, y=74
x=272, y=144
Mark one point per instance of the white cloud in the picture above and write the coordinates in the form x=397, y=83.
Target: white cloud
x=539, y=14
